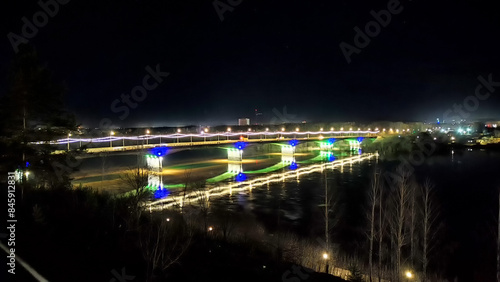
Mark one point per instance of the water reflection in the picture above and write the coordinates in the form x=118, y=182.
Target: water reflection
x=155, y=182
x=248, y=184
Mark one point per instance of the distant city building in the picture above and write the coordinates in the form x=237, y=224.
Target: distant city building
x=244, y=121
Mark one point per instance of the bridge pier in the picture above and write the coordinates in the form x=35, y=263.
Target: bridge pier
x=154, y=163
x=288, y=150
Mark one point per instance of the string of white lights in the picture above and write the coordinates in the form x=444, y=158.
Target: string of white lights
x=202, y=135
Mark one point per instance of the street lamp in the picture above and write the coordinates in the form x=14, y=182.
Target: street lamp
x=69, y=135
x=110, y=141
x=409, y=275
x=147, y=135
x=228, y=130
x=325, y=257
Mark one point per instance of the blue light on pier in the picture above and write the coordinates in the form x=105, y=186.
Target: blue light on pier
x=241, y=177
x=161, y=193
x=159, y=151
x=240, y=145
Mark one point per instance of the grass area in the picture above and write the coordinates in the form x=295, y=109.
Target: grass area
x=221, y=177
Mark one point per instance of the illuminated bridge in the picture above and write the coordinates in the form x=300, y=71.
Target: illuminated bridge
x=114, y=143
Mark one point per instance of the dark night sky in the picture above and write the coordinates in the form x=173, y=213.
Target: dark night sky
x=265, y=55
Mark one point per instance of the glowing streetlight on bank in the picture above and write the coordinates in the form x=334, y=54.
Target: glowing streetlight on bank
x=110, y=141
x=69, y=135
x=409, y=275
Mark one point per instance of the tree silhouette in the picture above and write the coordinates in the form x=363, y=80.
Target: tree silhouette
x=31, y=111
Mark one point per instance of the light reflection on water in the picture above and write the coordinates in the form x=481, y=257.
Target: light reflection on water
x=218, y=190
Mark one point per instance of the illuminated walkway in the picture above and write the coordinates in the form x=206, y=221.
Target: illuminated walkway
x=108, y=144
x=193, y=197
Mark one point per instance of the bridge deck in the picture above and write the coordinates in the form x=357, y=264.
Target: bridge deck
x=205, y=143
